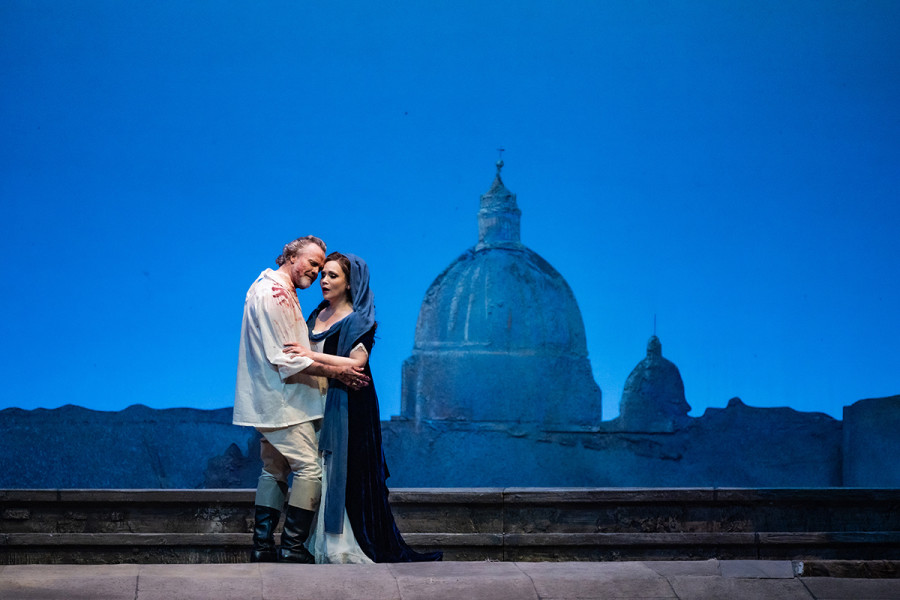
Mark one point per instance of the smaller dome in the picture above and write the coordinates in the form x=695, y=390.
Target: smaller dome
x=653, y=398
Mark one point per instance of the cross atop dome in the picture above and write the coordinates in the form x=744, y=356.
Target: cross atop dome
x=498, y=219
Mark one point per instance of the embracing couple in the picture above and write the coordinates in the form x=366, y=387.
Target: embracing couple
x=306, y=386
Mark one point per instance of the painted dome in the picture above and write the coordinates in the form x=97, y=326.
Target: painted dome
x=491, y=325
x=500, y=295
x=653, y=397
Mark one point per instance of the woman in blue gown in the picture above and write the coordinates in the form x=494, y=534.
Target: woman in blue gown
x=342, y=329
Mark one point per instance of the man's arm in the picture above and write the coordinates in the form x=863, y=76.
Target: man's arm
x=349, y=375
x=277, y=327
x=359, y=356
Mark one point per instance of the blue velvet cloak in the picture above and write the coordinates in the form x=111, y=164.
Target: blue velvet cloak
x=335, y=428
x=351, y=439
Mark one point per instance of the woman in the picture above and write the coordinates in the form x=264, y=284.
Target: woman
x=355, y=523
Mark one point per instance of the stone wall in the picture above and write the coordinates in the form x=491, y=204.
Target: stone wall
x=139, y=447
x=737, y=446
x=872, y=443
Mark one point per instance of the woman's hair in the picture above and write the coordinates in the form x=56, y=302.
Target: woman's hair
x=345, y=267
x=292, y=249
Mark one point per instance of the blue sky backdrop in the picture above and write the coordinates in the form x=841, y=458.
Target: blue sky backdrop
x=730, y=167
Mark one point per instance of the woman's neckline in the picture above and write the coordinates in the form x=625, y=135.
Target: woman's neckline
x=318, y=331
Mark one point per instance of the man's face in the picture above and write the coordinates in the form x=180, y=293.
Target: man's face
x=305, y=266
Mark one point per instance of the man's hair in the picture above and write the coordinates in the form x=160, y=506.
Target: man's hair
x=292, y=249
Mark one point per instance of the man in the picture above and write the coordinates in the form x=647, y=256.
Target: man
x=283, y=397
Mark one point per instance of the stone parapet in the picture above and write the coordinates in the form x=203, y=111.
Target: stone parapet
x=518, y=524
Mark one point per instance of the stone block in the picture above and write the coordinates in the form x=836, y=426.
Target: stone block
x=719, y=588
x=834, y=588
x=68, y=582
x=462, y=580
x=596, y=580
x=188, y=582
x=670, y=568
x=757, y=569
x=628, y=546
x=855, y=569
x=459, y=546
x=448, y=510
x=327, y=582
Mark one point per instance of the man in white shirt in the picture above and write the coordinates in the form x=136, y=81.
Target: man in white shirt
x=283, y=397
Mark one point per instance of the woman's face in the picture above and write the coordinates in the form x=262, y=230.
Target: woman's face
x=334, y=282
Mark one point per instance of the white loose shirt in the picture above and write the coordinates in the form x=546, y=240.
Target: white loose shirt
x=271, y=389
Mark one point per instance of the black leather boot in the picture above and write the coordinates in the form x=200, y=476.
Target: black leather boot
x=265, y=522
x=296, y=529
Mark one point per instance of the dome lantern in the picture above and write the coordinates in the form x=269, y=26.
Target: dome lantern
x=499, y=217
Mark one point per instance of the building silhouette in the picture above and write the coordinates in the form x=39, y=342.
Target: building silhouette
x=497, y=391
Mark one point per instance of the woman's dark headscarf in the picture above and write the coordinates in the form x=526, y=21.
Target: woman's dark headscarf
x=333, y=437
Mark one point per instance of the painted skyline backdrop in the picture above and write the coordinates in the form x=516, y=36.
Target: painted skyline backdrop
x=729, y=168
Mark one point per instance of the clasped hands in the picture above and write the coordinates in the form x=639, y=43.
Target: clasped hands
x=350, y=375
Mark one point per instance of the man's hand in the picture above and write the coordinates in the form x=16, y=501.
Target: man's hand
x=295, y=349
x=352, y=377
x=282, y=296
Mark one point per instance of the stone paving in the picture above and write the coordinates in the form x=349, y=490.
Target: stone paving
x=684, y=580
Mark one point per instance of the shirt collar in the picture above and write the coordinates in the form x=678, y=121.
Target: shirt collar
x=283, y=278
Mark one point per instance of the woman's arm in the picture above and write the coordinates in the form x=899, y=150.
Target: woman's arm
x=358, y=356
